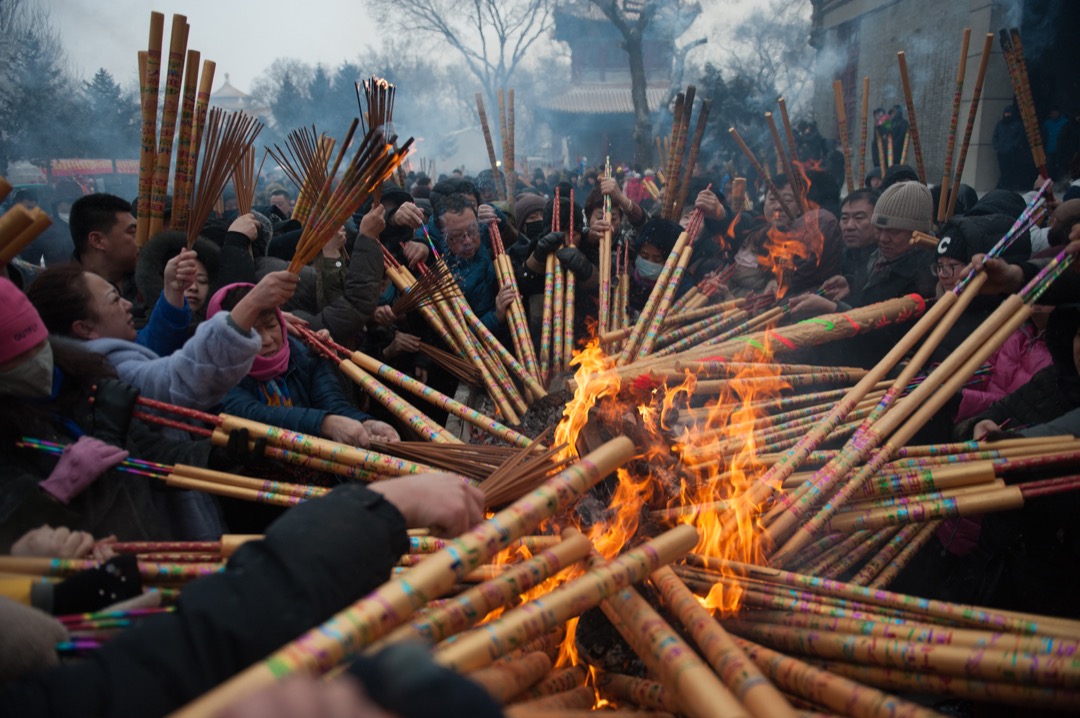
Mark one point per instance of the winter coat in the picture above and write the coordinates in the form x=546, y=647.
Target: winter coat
x=117, y=503
x=198, y=375
x=166, y=330
x=317, y=559
x=314, y=387
x=344, y=316
x=1023, y=355
x=478, y=283
x=907, y=274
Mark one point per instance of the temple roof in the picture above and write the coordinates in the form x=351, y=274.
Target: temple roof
x=601, y=99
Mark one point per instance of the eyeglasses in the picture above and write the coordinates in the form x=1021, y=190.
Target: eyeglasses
x=945, y=270
x=470, y=233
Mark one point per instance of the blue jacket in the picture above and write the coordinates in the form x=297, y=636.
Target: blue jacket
x=167, y=328
x=478, y=283
x=314, y=386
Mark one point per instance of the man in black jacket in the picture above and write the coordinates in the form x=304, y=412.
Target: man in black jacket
x=314, y=561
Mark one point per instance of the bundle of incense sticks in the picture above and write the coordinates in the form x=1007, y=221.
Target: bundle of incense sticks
x=463, y=370
x=374, y=161
x=551, y=326
x=785, y=158
x=154, y=204
x=245, y=180
x=184, y=97
x=19, y=227
x=228, y=139
x=523, y=472
x=519, y=320
x=304, y=161
x=425, y=427
x=445, y=320
x=438, y=284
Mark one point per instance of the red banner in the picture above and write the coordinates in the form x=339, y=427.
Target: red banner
x=72, y=167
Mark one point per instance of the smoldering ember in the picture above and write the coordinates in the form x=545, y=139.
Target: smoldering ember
x=542, y=358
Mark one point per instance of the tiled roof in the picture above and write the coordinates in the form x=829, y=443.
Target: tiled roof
x=601, y=99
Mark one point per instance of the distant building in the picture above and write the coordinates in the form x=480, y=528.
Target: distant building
x=229, y=97
x=594, y=115
x=860, y=38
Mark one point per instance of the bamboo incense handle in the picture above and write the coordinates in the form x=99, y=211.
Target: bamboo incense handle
x=5, y=188
x=726, y=658
x=524, y=623
x=503, y=682
x=696, y=688
x=14, y=222
x=372, y=617
x=471, y=606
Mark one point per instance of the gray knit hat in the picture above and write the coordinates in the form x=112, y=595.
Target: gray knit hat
x=907, y=205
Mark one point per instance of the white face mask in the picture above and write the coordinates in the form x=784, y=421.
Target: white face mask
x=34, y=377
x=647, y=269
x=65, y=217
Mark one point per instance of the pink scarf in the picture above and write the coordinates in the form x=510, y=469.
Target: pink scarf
x=263, y=368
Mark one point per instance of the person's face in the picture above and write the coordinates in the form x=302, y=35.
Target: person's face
x=110, y=314
x=651, y=253
x=119, y=243
x=196, y=293
x=855, y=227
x=282, y=202
x=774, y=211
x=598, y=215
x=948, y=271
x=875, y=182
x=462, y=233
x=269, y=329
x=893, y=243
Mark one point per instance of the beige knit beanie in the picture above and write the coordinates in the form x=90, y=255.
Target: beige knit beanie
x=907, y=205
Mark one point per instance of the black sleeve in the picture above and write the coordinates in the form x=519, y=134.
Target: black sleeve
x=314, y=561
x=237, y=264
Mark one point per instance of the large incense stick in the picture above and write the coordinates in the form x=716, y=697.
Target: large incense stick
x=912, y=123
x=842, y=128
x=392, y=604
x=972, y=111
x=175, y=71
x=487, y=138
x=943, y=200
x=864, y=148
x=150, y=77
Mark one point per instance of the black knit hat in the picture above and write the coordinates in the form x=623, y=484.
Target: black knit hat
x=964, y=237
x=660, y=233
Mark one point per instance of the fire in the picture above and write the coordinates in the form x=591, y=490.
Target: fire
x=788, y=250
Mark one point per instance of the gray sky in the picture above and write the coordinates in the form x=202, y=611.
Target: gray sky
x=243, y=37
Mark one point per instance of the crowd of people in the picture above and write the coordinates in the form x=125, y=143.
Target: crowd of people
x=90, y=328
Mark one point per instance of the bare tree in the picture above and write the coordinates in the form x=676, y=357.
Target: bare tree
x=772, y=46
x=633, y=18
x=492, y=36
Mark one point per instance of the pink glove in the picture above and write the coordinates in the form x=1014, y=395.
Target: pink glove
x=80, y=465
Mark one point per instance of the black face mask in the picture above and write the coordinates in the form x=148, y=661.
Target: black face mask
x=534, y=230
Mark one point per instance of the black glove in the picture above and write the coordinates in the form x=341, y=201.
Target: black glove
x=114, y=401
x=575, y=261
x=238, y=453
x=548, y=244
x=115, y=580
